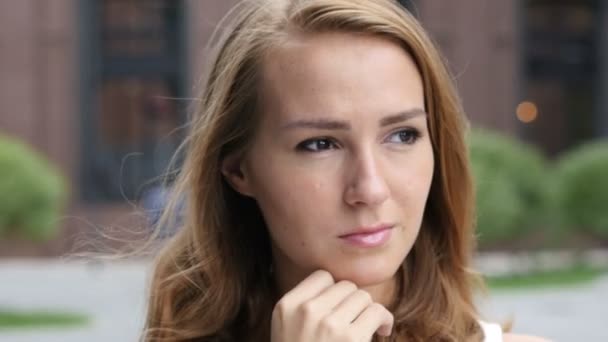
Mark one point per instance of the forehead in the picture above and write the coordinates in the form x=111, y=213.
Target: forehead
x=333, y=73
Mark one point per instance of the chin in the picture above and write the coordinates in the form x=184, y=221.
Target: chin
x=365, y=274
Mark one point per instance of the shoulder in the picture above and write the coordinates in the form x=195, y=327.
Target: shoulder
x=507, y=337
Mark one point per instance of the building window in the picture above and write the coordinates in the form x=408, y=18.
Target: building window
x=561, y=70
x=133, y=72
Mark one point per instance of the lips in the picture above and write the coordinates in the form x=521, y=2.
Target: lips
x=368, y=230
x=368, y=237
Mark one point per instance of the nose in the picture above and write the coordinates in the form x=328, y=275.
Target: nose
x=366, y=185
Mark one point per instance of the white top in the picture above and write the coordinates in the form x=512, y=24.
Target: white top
x=491, y=331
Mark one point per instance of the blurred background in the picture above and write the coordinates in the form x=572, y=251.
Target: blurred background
x=94, y=94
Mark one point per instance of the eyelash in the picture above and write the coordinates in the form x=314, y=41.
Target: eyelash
x=304, y=146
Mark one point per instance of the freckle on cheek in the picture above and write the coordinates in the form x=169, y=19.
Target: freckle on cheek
x=302, y=243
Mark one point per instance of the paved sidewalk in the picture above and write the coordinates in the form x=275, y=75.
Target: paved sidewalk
x=574, y=314
x=113, y=295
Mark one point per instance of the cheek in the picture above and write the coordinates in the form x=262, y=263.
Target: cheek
x=292, y=203
x=424, y=178
x=413, y=185
x=298, y=214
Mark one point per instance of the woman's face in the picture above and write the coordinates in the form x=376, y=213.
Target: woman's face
x=342, y=162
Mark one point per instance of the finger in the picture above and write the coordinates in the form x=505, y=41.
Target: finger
x=375, y=318
x=332, y=296
x=352, y=306
x=308, y=288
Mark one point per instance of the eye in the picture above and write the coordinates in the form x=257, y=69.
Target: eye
x=405, y=136
x=316, y=145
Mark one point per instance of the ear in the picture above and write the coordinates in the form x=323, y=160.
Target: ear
x=233, y=170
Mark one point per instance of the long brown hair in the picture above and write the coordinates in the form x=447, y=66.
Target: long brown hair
x=212, y=280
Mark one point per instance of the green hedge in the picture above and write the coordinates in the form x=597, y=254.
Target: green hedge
x=31, y=192
x=581, y=188
x=511, y=186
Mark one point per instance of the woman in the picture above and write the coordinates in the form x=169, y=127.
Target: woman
x=328, y=187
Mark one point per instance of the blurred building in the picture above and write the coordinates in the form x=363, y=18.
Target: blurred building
x=102, y=87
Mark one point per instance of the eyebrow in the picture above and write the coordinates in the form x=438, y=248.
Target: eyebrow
x=328, y=124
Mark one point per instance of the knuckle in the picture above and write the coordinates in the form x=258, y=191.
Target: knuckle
x=307, y=310
x=381, y=310
x=378, y=308
x=280, y=309
x=330, y=326
x=325, y=276
x=348, y=285
x=364, y=296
